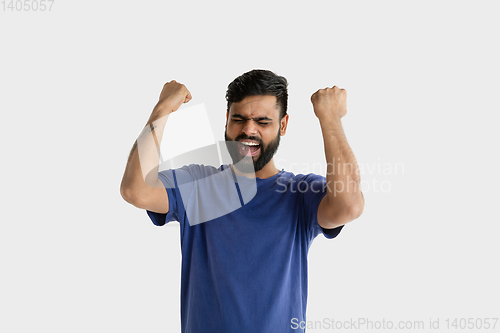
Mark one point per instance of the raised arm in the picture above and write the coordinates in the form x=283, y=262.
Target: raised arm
x=140, y=185
x=344, y=200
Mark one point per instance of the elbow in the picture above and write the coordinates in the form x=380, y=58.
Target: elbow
x=350, y=214
x=126, y=194
x=130, y=196
x=335, y=216
x=347, y=212
x=356, y=210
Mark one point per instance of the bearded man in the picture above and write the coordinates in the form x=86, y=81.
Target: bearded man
x=246, y=228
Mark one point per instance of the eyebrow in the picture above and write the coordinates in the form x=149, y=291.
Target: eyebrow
x=237, y=115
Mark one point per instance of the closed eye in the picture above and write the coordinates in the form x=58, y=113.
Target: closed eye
x=262, y=121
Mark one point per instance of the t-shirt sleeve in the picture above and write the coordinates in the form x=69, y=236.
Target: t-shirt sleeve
x=175, y=211
x=313, y=188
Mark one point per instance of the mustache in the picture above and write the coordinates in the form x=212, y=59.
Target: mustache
x=253, y=138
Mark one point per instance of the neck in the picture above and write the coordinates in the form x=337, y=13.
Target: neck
x=267, y=171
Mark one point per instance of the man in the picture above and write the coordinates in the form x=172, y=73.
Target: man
x=246, y=270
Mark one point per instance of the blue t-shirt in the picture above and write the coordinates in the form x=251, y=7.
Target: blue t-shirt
x=244, y=268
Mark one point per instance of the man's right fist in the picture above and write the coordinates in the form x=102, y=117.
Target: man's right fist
x=173, y=95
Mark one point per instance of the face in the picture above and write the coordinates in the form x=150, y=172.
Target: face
x=253, y=131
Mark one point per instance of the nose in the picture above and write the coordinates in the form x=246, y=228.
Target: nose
x=250, y=128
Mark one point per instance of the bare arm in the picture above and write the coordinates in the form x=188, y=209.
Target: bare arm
x=140, y=185
x=344, y=200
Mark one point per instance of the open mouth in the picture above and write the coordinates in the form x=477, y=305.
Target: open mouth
x=249, y=147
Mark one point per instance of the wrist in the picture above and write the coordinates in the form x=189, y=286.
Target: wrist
x=163, y=108
x=329, y=120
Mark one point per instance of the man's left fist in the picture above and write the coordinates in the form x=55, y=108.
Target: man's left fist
x=330, y=102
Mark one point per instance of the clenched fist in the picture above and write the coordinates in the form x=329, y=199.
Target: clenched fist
x=329, y=102
x=172, y=96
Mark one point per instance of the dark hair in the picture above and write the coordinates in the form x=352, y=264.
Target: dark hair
x=258, y=82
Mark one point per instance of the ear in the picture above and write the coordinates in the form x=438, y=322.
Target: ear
x=283, y=125
x=227, y=117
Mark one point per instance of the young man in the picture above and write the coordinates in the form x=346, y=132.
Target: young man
x=246, y=227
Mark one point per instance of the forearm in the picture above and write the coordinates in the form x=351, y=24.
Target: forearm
x=142, y=165
x=342, y=176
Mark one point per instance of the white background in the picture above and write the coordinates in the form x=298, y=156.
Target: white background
x=77, y=84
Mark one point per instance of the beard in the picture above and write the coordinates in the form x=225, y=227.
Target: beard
x=249, y=164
